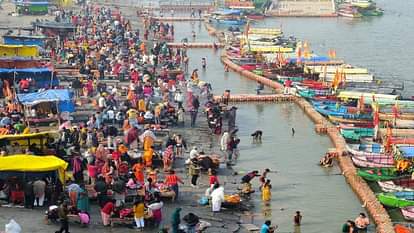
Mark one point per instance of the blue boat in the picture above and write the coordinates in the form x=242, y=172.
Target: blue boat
x=231, y=22
x=228, y=17
x=337, y=110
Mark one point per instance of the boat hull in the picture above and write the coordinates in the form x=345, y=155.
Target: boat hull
x=391, y=200
x=408, y=213
x=373, y=162
x=381, y=174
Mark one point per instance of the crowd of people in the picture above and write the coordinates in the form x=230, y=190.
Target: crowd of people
x=117, y=156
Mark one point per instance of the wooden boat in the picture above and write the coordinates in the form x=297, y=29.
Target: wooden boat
x=266, y=31
x=390, y=116
x=397, y=185
x=311, y=93
x=229, y=17
x=378, y=174
x=356, y=134
x=408, y=213
x=403, y=124
x=349, y=121
x=330, y=110
x=363, y=150
x=396, y=85
x=368, y=140
x=372, y=12
x=356, y=125
x=398, y=140
x=373, y=161
x=399, y=228
x=368, y=97
x=397, y=199
x=349, y=13
x=361, y=3
x=255, y=16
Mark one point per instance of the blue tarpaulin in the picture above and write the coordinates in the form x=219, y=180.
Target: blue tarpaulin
x=16, y=40
x=408, y=151
x=42, y=76
x=63, y=96
x=25, y=70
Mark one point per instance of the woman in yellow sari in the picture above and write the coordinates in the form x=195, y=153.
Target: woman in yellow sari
x=266, y=193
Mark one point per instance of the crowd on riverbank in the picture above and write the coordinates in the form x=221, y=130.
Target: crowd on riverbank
x=120, y=155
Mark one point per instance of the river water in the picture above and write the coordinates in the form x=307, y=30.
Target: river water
x=382, y=44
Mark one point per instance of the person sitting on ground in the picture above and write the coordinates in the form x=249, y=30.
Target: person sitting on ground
x=191, y=222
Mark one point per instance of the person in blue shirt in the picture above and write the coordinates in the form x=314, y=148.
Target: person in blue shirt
x=266, y=228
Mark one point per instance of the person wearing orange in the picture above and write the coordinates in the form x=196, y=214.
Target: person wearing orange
x=148, y=154
x=141, y=105
x=122, y=149
x=148, y=142
x=172, y=180
x=142, y=47
x=138, y=171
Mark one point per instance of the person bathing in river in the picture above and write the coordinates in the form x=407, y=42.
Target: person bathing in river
x=349, y=227
x=262, y=178
x=203, y=63
x=361, y=223
x=326, y=161
x=266, y=191
x=297, y=219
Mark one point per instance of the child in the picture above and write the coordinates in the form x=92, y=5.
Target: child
x=139, y=214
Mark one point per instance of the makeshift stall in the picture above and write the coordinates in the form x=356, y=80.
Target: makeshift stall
x=42, y=77
x=46, y=106
x=16, y=170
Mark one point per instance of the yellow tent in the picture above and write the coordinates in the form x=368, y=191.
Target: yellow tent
x=32, y=163
x=18, y=51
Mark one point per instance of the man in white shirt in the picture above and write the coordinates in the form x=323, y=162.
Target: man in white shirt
x=194, y=153
x=179, y=98
x=101, y=102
